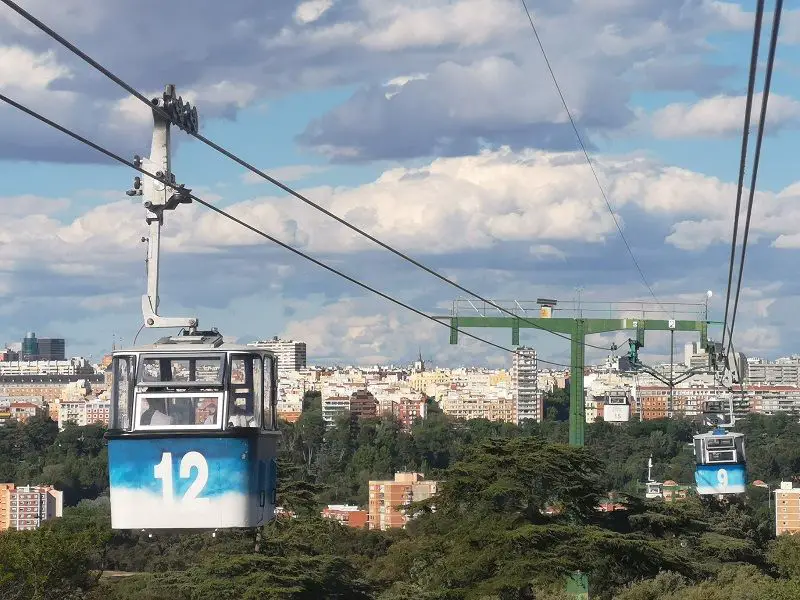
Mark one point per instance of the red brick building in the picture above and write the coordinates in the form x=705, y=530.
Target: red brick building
x=348, y=515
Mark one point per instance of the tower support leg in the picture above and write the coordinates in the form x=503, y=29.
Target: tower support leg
x=577, y=402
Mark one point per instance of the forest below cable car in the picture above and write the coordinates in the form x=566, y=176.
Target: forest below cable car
x=488, y=537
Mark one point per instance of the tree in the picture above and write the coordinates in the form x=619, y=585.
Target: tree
x=526, y=478
x=556, y=404
x=48, y=564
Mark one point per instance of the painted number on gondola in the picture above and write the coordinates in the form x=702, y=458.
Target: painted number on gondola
x=190, y=460
x=722, y=478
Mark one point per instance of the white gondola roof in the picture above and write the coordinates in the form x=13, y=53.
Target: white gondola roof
x=204, y=341
x=713, y=434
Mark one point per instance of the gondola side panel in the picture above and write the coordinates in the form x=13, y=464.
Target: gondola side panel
x=266, y=479
x=720, y=479
x=182, y=482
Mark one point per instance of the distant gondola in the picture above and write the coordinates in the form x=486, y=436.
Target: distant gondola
x=721, y=463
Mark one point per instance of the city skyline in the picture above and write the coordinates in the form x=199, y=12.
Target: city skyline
x=447, y=141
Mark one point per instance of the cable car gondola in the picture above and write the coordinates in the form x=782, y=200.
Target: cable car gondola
x=721, y=463
x=719, y=454
x=193, y=438
x=192, y=441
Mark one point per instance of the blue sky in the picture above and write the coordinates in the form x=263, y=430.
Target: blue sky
x=433, y=125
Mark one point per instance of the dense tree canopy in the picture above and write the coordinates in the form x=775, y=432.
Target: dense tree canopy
x=515, y=515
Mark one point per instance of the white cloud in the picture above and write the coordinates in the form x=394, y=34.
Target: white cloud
x=722, y=116
x=227, y=68
x=547, y=201
x=311, y=11
x=130, y=113
x=735, y=16
x=104, y=302
x=467, y=22
x=377, y=332
x=396, y=83
x=101, y=251
x=757, y=340
x=452, y=205
x=499, y=98
x=489, y=83
x=775, y=217
x=404, y=79
x=24, y=204
x=23, y=69
x=546, y=252
x=77, y=16
x=790, y=27
x=480, y=202
x=221, y=95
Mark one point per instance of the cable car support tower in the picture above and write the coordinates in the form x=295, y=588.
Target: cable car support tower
x=576, y=328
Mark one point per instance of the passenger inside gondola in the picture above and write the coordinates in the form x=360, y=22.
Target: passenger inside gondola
x=156, y=413
x=245, y=392
x=182, y=411
x=240, y=415
x=207, y=411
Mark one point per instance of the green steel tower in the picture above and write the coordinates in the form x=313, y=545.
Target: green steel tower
x=576, y=328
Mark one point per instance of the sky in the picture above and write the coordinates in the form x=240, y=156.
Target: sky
x=433, y=125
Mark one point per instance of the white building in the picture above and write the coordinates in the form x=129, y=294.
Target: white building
x=291, y=355
x=83, y=412
x=524, y=385
x=73, y=366
x=783, y=371
x=334, y=406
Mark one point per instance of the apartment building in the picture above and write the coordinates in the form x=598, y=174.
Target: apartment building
x=363, y=405
x=409, y=410
x=26, y=507
x=787, y=508
x=388, y=499
x=333, y=406
x=22, y=411
x=48, y=387
x=524, y=385
x=291, y=355
x=654, y=401
x=84, y=412
x=489, y=405
x=784, y=371
x=73, y=366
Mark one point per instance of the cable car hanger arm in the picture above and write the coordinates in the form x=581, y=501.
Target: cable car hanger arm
x=159, y=197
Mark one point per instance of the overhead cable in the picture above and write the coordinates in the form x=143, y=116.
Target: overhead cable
x=773, y=43
x=131, y=90
x=263, y=234
x=751, y=82
x=588, y=159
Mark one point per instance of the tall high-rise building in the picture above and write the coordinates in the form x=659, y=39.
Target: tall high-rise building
x=34, y=348
x=30, y=346
x=291, y=355
x=524, y=385
x=52, y=349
